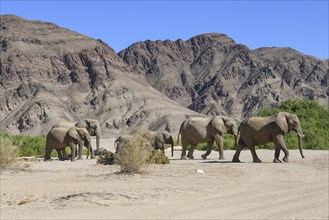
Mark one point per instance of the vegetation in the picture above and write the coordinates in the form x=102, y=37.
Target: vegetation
x=157, y=157
x=28, y=145
x=8, y=153
x=106, y=158
x=133, y=156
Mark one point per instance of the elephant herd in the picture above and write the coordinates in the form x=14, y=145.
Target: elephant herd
x=252, y=131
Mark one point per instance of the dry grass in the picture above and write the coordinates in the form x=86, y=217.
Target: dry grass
x=132, y=158
x=8, y=153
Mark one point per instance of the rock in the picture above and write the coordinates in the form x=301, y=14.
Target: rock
x=200, y=172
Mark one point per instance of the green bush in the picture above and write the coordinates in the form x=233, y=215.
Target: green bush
x=157, y=157
x=28, y=145
x=8, y=153
x=106, y=158
x=314, y=119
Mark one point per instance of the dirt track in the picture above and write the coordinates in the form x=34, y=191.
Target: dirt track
x=85, y=190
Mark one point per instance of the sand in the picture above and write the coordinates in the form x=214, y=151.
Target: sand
x=183, y=189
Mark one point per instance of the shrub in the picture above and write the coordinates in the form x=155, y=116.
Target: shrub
x=106, y=158
x=28, y=146
x=157, y=157
x=314, y=119
x=133, y=156
x=8, y=153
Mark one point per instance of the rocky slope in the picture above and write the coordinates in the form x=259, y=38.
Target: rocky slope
x=50, y=74
x=212, y=74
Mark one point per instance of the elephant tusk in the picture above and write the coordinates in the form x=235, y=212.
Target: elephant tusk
x=301, y=135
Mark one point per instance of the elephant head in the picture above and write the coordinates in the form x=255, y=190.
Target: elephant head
x=168, y=139
x=290, y=122
x=81, y=137
x=93, y=129
x=225, y=125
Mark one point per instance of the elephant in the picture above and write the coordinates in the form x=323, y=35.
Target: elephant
x=158, y=140
x=120, y=142
x=91, y=125
x=197, y=130
x=61, y=137
x=261, y=130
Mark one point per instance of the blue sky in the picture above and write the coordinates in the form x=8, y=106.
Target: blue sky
x=302, y=25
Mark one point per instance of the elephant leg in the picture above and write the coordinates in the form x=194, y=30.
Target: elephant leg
x=277, y=155
x=59, y=154
x=220, y=144
x=73, y=151
x=47, y=155
x=279, y=143
x=64, y=154
x=205, y=155
x=238, y=151
x=184, y=146
x=92, y=152
x=254, y=155
x=190, y=152
x=80, y=146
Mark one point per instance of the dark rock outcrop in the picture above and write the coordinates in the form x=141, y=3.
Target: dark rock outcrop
x=212, y=74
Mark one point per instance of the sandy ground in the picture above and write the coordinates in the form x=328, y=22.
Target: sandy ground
x=85, y=190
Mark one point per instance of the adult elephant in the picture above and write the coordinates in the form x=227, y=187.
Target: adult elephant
x=61, y=137
x=198, y=130
x=262, y=130
x=158, y=140
x=91, y=125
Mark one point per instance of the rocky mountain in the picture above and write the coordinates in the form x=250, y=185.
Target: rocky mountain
x=51, y=74
x=212, y=74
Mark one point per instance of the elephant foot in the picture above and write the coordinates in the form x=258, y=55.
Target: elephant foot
x=221, y=158
x=257, y=161
x=236, y=160
x=190, y=156
x=276, y=160
x=183, y=157
x=285, y=159
x=92, y=157
x=79, y=158
x=204, y=156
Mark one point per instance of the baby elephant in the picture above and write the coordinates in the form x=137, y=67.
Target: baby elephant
x=59, y=138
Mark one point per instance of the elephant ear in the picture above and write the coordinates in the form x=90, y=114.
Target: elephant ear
x=74, y=133
x=218, y=123
x=281, y=121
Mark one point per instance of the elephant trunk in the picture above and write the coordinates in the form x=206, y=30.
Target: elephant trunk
x=300, y=144
x=300, y=136
x=171, y=142
x=98, y=137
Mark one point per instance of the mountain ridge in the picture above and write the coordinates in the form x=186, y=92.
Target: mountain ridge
x=49, y=73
